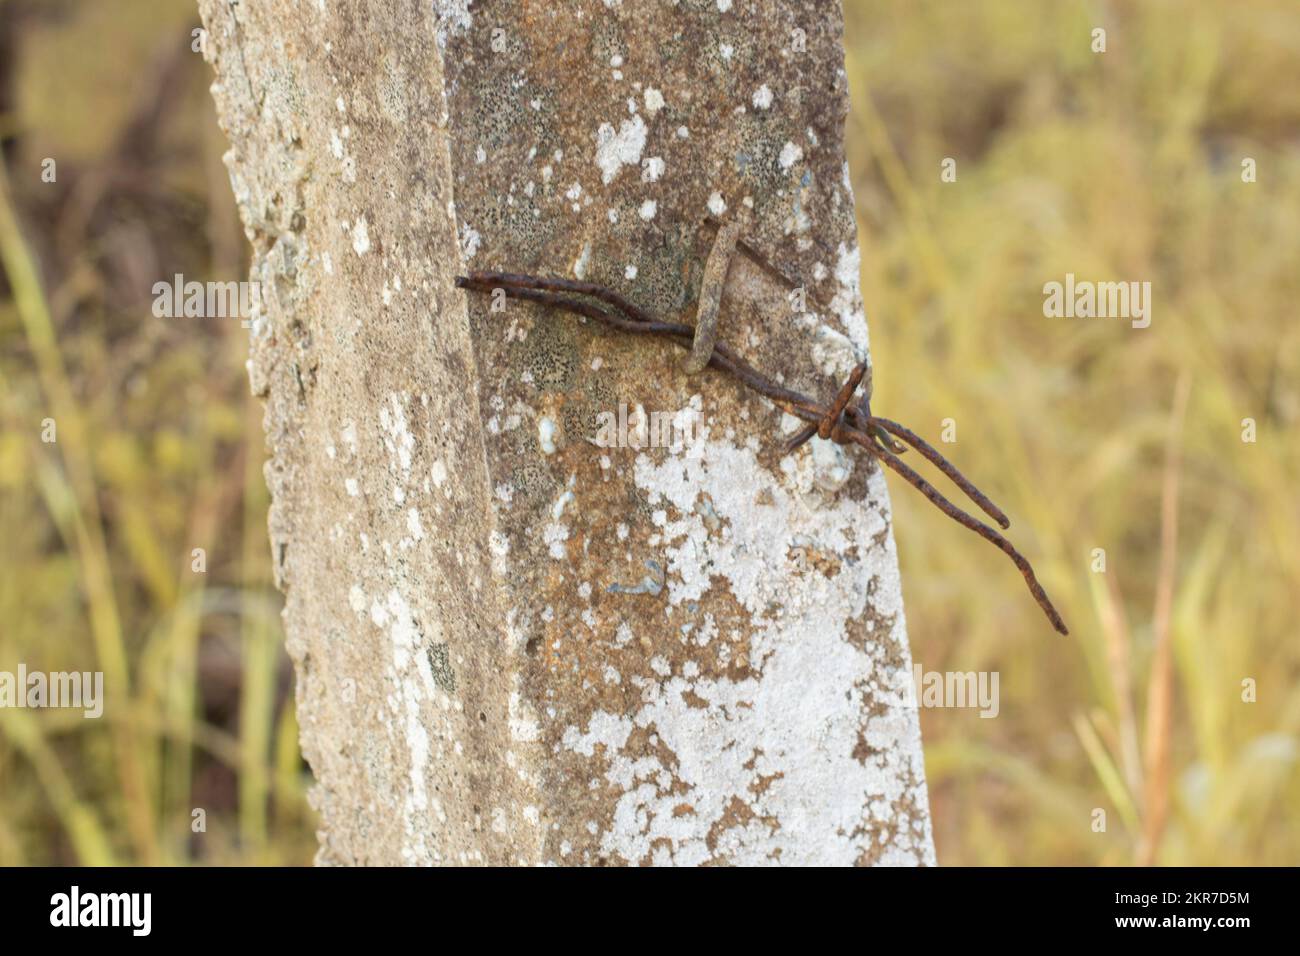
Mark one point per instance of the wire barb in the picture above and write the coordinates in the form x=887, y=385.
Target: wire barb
x=835, y=422
x=715, y=278
x=841, y=402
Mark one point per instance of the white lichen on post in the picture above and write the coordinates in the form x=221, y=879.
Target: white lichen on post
x=515, y=643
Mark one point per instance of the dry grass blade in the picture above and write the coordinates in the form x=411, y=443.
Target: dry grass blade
x=1160, y=686
x=92, y=549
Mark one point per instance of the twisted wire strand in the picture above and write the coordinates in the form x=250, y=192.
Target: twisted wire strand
x=837, y=422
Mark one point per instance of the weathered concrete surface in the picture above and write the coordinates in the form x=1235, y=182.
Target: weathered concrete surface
x=512, y=645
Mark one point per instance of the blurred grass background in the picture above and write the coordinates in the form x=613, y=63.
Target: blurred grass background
x=1116, y=166
x=158, y=452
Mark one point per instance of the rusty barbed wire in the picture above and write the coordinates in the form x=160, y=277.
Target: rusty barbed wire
x=838, y=422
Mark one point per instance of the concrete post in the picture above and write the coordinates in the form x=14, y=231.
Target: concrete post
x=530, y=623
